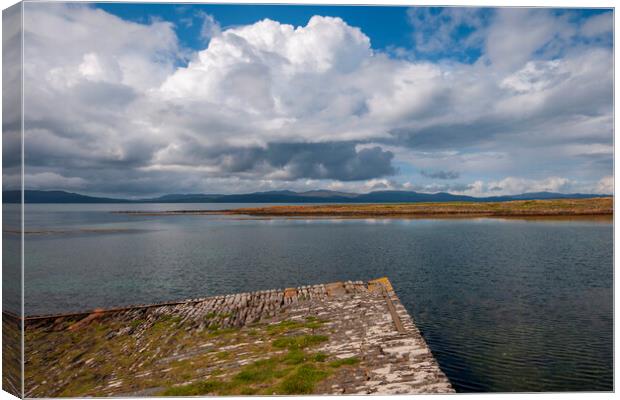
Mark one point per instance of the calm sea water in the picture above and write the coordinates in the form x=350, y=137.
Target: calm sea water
x=505, y=305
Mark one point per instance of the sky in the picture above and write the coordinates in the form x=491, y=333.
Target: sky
x=138, y=100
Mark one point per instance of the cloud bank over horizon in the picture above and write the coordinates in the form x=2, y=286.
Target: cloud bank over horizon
x=492, y=102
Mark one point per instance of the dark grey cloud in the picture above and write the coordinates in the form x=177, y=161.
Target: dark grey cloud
x=333, y=160
x=254, y=166
x=11, y=90
x=46, y=147
x=440, y=174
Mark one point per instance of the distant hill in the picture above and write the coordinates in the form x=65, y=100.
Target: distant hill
x=54, y=196
x=183, y=198
x=395, y=196
x=283, y=196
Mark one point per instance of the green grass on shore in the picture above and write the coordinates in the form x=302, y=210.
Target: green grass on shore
x=295, y=372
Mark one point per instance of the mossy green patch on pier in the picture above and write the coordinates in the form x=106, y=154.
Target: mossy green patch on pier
x=295, y=372
x=163, y=351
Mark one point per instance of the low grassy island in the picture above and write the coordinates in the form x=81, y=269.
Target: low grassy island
x=601, y=206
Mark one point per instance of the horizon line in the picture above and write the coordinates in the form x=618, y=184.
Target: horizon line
x=284, y=191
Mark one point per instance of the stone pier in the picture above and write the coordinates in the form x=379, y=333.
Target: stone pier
x=336, y=338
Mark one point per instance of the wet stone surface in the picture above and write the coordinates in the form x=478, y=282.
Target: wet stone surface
x=339, y=338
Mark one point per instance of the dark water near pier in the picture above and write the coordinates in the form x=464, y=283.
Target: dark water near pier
x=505, y=305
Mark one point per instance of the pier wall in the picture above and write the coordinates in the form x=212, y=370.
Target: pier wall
x=356, y=336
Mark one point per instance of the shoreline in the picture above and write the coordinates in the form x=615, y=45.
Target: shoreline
x=588, y=208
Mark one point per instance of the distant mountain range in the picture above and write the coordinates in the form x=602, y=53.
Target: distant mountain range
x=283, y=196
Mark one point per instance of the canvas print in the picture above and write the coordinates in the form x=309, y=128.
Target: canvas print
x=237, y=199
